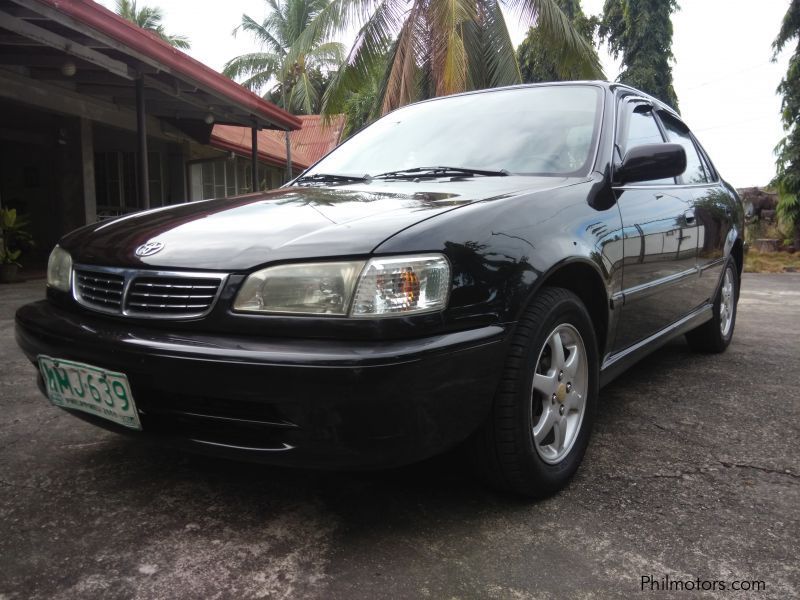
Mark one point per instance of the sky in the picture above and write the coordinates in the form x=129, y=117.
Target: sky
x=723, y=76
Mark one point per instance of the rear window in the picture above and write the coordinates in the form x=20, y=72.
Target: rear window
x=678, y=133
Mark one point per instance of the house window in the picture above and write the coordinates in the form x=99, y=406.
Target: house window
x=116, y=182
x=107, y=177
x=263, y=178
x=208, y=180
x=155, y=179
x=223, y=178
x=128, y=179
x=230, y=178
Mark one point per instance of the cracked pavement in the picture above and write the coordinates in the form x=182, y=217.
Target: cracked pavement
x=692, y=472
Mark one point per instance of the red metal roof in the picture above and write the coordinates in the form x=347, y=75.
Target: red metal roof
x=173, y=61
x=271, y=145
x=315, y=139
x=309, y=143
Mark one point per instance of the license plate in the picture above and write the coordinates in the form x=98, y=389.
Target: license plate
x=90, y=389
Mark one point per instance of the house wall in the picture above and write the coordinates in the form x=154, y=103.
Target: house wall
x=50, y=171
x=41, y=173
x=64, y=171
x=116, y=161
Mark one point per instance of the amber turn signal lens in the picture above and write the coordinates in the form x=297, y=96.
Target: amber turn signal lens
x=409, y=285
x=401, y=285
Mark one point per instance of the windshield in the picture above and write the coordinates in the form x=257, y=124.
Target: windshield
x=538, y=130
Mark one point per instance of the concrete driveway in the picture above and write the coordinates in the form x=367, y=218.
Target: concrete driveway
x=693, y=472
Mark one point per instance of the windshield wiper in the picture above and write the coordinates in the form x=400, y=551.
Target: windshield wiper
x=330, y=178
x=439, y=172
x=400, y=174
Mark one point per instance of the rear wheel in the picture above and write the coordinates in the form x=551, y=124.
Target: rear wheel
x=541, y=418
x=715, y=335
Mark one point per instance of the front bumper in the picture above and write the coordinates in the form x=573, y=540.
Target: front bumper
x=298, y=402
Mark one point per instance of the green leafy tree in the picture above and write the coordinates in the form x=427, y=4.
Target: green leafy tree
x=641, y=31
x=362, y=105
x=440, y=47
x=536, y=63
x=14, y=236
x=150, y=18
x=787, y=179
x=294, y=79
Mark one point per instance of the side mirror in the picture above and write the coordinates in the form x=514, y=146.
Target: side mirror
x=651, y=161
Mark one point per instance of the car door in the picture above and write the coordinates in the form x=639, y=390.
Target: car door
x=659, y=274
x=712, y=206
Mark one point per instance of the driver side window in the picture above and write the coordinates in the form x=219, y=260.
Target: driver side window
x=642, y=129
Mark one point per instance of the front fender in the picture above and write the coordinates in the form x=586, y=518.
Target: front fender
x=502, y=250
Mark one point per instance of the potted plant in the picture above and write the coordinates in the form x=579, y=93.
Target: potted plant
x=12, y=235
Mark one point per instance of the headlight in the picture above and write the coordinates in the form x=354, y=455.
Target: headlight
x=321, y=288
x=402, y=285
x=59, y=269
x=381, y=287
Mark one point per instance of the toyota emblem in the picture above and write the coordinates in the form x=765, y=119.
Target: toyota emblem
x=149, y=248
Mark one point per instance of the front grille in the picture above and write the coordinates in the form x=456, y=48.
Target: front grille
x=100, y=290
x=171, y=296
x=146, y=294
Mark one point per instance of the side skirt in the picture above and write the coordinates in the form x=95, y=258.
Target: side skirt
x=615, y=364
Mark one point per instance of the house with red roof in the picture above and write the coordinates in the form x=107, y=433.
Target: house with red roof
x=100, y=118
x=316, y=136
x=215, y=176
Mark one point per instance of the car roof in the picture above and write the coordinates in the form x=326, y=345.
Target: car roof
x=655, y=101
x=611, y=86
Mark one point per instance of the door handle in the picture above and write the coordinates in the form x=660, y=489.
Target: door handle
x=689, y=216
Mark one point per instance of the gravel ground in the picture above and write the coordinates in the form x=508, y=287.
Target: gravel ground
x=693, y=472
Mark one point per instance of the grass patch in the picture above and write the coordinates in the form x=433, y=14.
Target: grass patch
x=771, y=262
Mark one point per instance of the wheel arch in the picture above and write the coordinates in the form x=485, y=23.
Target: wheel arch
x=583, y=278
x=737, y=252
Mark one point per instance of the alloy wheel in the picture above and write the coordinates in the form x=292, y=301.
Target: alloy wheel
x=558, y=394
x=727, y=303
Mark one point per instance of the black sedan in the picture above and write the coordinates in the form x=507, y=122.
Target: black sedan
x=467, y=269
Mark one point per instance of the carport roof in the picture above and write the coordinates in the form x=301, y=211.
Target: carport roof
x=109, y=53
x=316, y=137
x=309, y=143
x=271, y=149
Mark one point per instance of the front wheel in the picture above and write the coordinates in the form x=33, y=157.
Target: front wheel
x=715, y=335
x=541, y=419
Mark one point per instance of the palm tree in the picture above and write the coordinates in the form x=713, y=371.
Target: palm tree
x=362, y=105
x=149, y=18
x=439, y=47
x=535, y=60
x=294, y=79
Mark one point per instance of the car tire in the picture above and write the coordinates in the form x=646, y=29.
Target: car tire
x=513, y=450
x=714, y=336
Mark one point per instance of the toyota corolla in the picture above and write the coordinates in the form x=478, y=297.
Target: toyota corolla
x=467, y=269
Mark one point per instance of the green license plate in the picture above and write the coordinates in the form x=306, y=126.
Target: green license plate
x=90, y=389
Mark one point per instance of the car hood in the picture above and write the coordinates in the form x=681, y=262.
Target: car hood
x=286, y=224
